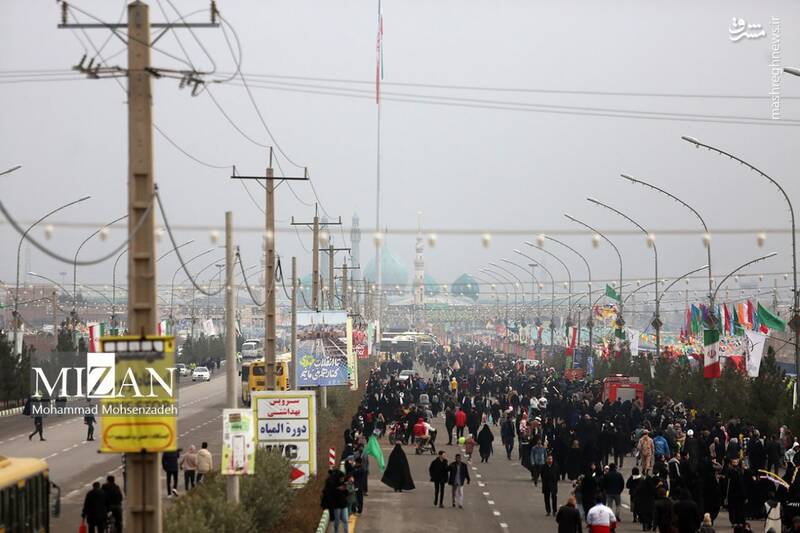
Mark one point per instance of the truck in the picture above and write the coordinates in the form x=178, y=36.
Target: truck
x=623, y=388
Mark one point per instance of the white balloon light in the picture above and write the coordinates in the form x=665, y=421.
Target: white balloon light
x=651, y=239
x=486, y=240
x=213, y=236
x=48, y=231
x=760, y=238
x=103, y=234
x=706, y=240
x=432, y=240
x=595, y=240
x=377, y=238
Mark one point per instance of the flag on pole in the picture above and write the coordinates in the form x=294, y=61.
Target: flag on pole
x=611, y=293
x=727, y=318
x=753, y=351
x=374, y=449
x=572, y=335
x=711, y=368
x=379, y=55
x=770, y=320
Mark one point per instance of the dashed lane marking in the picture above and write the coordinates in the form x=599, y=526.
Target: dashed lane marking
x=481, y=484
x=490, y=502
x=478, y=476
x=503, y=525
x=496, y=513
x=485, y=493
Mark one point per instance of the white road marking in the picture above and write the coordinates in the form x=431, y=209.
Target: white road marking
x=485, y=493
x=490, y=502
x=66, y=449
x=496, y=513
x=480, y=484
x=503, y=525
x=475, y=468
x=478, y=476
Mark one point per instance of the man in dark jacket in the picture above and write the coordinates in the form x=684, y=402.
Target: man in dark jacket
x=440, y=474
x=507, y=431
x=449, y=424
x=613, y=484
x=688, y=513
x=662, y=518
x=569, y=518
x=550, y=485
x=114, y=501
x=95, y=509
x=458, y=474
x=169, y=462
x=757, y=452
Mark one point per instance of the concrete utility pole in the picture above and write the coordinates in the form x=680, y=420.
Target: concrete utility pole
x=293, y=360
x=344, y=285
x=331, y=278
x=316, y=275
x=232, y=482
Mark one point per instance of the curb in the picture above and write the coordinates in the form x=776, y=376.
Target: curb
x=323, y=522
x=10, y=412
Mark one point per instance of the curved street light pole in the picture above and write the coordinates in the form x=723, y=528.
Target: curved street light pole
x=75, y=266
x=795, y=321
x=518, y=280
x=502, y=281
x=706, y=235
x=569, y=278
x=737, y=269
x=676, y=280
x=533, y=280
x=614, y=246
x=652, y=242
x=590, y=322
x=19, y=250
x=552, y=297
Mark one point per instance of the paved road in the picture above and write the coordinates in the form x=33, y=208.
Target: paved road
x=76, y=463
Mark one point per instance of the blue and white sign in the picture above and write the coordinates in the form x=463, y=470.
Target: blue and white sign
x=322, y=349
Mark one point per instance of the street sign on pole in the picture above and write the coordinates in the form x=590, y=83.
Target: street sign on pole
x=139, y=414
x=238, y=442
x=286, y=421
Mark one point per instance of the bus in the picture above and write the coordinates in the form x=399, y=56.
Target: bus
x=25, y=495
x=252, y=349
x=254, y=374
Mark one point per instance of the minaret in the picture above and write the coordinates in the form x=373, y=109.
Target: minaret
x=419, y=267
x=355, y=241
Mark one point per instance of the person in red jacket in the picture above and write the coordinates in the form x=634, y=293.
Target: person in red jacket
x=461, y=423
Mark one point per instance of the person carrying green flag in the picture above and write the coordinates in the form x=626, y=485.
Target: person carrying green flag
x=374, y=449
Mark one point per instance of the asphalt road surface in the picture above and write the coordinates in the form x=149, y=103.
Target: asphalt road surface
x=75, y=463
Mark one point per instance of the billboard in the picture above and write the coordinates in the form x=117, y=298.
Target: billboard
x=238, y=442
x=286, y=421
x=322, y=356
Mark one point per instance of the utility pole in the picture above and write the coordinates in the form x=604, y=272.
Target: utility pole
x=269, y=272
x=316, y=275
x=331, y=278
x=54, y=296
x=293, y=360
x=344, y=286
x=232, y=482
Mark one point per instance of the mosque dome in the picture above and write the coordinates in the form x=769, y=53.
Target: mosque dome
x=393, y=272
x=465, y=285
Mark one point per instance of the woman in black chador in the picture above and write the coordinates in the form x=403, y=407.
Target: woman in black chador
x=397, y=474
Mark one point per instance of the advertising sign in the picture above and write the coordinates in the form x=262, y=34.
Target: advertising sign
x=361, y=342
x=286, y=421
x=139, y=404
x=238, y=442
x=352, y=362
x=322, y=357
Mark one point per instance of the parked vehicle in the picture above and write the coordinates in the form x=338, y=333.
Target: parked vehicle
x=201, y=373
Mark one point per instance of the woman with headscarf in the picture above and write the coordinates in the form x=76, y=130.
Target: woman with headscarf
x=485, y=439
x=398, y=474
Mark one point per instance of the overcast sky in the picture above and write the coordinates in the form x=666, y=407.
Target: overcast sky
x=462, y=167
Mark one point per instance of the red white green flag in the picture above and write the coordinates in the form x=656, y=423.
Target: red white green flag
x=711, y=368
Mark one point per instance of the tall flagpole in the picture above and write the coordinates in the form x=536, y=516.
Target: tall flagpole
x=378, y=239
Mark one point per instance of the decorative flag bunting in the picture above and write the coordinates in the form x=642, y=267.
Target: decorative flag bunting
x=695, y=325
x=711, y=368
x=611, y=293
x=770, y=320
x=737, y=325
x=727, y=319
x=753, y=351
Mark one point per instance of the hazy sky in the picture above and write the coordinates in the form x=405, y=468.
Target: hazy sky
x=462, y=167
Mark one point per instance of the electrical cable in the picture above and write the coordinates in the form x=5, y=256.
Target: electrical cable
x=53, y=255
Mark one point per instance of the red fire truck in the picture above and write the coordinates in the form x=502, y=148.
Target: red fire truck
x=624, y=388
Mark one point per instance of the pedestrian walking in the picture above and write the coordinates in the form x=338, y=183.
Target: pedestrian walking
x=38, y=427
x=439, y=472
x=568, y=517
x=188, y=464
x=613, y=484
x=398, y=474
x=600, y=518
x=485, y=439
x=334, y=499
x=458, y=473
x=550, y=485
x=538, y=458
x=114, y=502
x=507, y=431
x=90, y=421
x=205, y=463
x=360, y=480
x=449, y=424
x=169, y=462
x=94, y=510
x=461, y=423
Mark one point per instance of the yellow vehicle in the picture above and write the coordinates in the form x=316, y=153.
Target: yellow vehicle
x=25, y=495
x=254, y=375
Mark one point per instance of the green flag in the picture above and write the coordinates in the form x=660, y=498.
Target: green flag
x=374, y=449
x=611, y=293
x=768, y=319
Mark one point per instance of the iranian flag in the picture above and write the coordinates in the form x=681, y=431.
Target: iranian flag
x=96, y=331
x=572, y=335
x=711, y=367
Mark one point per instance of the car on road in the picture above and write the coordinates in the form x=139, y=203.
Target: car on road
x=201, y=373
x=405, y=375
x=183, y=370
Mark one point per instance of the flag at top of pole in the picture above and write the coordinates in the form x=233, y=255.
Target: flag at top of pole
x=379, y=55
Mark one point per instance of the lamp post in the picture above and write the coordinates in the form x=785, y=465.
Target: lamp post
x=737, y=269
x=552, y=298
x=533, y=278
x=706, y=234
x=518, y=280
x=619, y=255
x=10, y=170
x=502, y=281
x=676, y=280
x=569, y=277
x=795, y=321
x=75, y=266
x=590, y=322
x=180, y=267
x=652, y=242
x=17, y=349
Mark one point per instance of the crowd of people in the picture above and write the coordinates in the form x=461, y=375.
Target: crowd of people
x=689, y=465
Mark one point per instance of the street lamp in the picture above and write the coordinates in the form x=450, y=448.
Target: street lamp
x=569, y=277
x=795, y=321
x=54, y=282
x=533, y=280
x=521, y=285
x=552, y=298
x=19, y=250
x=737, y=269
x=652, y=242
x=75, y=265
x=590, y=322
x=792, y=70
x=706, y=234
x=619, y=255
x=502, y=281
x=10, y=170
